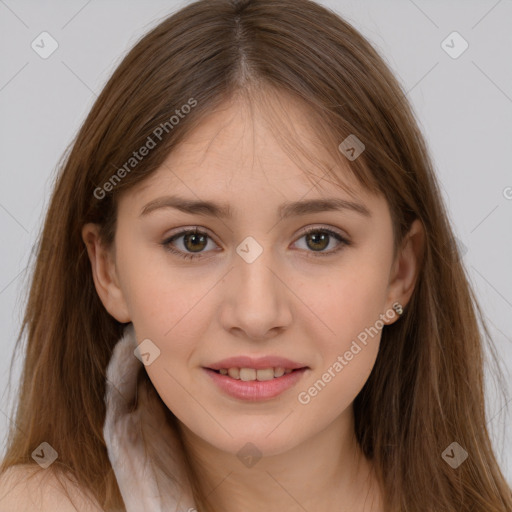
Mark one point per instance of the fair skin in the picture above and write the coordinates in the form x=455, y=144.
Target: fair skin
x=26, y=488
x=290, y=302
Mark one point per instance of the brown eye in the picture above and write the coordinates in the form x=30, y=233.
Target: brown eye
x=192, y=246
x=195, y=242
x=319, y=241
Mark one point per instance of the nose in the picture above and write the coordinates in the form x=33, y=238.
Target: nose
x=256, y=299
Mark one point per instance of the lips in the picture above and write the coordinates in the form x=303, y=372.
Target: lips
x=254, y=379
x=255, y=390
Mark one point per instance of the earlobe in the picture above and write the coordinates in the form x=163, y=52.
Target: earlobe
x=104, y=274
x=406, y=268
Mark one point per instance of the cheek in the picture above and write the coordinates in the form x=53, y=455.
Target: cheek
x=349, y=347
x=331, y=391
x=161, y=295
x=351, y=307
x=348, y=300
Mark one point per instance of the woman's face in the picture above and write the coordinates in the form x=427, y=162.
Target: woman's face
x=257, y=285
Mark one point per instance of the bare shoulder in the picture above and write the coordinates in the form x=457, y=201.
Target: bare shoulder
x=28, y=488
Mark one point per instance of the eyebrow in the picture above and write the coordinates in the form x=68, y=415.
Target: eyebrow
x=223, y=211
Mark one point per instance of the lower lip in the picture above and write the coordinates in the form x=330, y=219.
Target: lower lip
x=255, y=390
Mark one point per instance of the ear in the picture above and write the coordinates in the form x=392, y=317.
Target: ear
x=406, y=267
x=104, y=274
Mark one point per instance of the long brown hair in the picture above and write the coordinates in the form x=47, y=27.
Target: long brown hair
x=426, y=389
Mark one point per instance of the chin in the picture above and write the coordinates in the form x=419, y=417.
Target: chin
x=256, y=440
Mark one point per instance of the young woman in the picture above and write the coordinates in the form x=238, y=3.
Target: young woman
x=247, y=293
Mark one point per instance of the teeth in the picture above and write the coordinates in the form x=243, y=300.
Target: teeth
x=234, y=373
x=265, y=374
x=250, y=374
x=278, y=372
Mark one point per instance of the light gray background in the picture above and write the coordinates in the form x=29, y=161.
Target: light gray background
x=464, y=106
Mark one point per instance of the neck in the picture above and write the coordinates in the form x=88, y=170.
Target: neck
x=325, y=470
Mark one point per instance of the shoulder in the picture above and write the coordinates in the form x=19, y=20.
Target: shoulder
x=27, y=488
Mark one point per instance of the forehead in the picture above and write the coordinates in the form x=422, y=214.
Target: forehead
x=246, y=146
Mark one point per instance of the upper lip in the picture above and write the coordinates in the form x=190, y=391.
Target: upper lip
x=258, y=363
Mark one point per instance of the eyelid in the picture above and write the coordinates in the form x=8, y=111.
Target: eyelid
x=323, y=227
x=189, y=230
x=342, y=239
x=303, y=231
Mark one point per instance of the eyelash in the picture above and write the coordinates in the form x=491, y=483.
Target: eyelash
x=190, y=256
